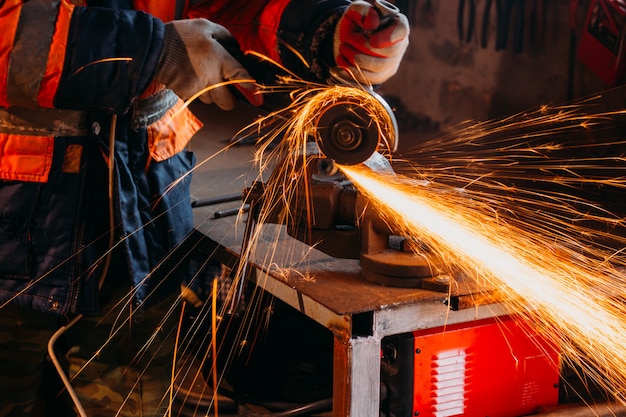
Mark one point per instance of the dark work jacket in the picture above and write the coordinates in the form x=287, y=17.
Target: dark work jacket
x=65, y=71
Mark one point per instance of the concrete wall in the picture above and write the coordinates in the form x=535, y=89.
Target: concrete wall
x=449, y=80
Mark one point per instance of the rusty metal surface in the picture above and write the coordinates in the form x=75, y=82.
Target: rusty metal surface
x=337, y=284
x=342, y=365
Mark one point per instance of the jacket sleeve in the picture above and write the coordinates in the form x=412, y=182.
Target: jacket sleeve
x=56, y=55
x=295, y=33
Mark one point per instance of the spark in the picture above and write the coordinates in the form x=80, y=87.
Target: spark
x=284, y=151
x=529, y=244
x=538, y=248
x=501, y=203
x=214, y=369
x=102, y=61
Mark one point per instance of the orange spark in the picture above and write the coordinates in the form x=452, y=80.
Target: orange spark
x=576, y=296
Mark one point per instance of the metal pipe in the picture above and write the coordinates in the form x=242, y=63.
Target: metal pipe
x=215, y=200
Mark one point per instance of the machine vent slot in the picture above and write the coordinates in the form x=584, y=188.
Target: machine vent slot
x=449, y=382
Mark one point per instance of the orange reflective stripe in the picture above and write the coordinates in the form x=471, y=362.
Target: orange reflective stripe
x=25, y=158
x=56, y=56
x=9, y=13
x=170, y=134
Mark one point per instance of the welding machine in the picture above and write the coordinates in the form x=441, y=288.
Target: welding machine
x=500, y=367
x=601, y=46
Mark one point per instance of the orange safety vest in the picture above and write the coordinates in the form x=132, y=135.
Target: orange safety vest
x=28, y=156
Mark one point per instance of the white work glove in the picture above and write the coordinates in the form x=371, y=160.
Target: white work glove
x=193, y=59
x=368, y=45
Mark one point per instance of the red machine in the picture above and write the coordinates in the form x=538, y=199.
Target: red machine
x=601, y=46
x=495, y=367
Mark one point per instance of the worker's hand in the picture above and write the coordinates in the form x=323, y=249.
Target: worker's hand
x=192, y=60
x=369, y=46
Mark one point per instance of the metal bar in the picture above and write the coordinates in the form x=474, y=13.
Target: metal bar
x=342, y=382
x=356, y=377
x=244, y=262
x=216, y=200
x=429, y=314
x=231, y=211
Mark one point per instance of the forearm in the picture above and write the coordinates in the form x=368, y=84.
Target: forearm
x=76, y=58
x=112, y=53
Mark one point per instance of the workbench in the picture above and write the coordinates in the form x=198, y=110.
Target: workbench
x=330, y=291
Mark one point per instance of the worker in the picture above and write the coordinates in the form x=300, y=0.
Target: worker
x=93, y=135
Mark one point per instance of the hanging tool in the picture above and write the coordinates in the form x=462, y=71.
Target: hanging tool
x=537, y=22
x=470, y=5
x=486, y=22
x=502, y=30
x=519, y=23
x=511, y=18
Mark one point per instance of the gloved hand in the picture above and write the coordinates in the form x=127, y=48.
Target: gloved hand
x=370, y=46
x=193, y=59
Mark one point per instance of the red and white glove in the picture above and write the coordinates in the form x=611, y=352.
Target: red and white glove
x=368, y=45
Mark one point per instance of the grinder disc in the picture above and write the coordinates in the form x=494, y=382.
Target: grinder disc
x=349, y=134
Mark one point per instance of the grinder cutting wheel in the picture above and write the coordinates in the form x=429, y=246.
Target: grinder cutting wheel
x=349, y=131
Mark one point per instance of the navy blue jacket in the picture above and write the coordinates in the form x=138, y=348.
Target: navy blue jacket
x=54, y=232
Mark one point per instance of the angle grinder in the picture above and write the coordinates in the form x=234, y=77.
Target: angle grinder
x=351, y=128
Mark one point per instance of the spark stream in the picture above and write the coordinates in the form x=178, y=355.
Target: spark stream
x=540, y=246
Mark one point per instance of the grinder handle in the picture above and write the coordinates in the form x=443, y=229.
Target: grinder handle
x=386, y=10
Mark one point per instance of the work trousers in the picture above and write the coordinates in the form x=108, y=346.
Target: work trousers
x=117, y=361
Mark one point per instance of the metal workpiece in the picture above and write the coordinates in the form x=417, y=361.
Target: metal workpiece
x=319, y=211
x=386, y=259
